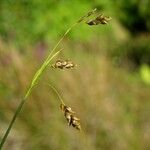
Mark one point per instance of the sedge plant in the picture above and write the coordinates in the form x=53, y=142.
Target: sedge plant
x=91, y=18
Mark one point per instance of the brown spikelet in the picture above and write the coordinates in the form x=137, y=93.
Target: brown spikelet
x=62, y=64
x=70, y=117
x=94, y=18
x=100, y=19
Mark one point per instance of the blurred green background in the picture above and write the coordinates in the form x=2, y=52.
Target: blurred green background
x=109, y=89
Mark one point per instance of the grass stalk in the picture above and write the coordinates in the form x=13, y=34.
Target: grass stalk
x=34, y=82
x=57, y=93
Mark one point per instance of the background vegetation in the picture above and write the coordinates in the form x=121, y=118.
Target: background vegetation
x=110, y=88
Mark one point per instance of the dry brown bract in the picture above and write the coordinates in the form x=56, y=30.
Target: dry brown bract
x=61, y=64
x=94, y=18
x=101, y=19
x=70, y=116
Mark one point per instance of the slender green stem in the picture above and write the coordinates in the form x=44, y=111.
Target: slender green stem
x=14, y=118
x=57, y=93
x=41, y=70
x=11, y=123
x=33, y=83
x=68, y=30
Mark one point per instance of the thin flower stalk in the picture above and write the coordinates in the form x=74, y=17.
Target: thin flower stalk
x=69, y=114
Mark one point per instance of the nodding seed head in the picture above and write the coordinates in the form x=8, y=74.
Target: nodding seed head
x=62, y=64
x=70, y=117
x=94, y=18
x=101, y=19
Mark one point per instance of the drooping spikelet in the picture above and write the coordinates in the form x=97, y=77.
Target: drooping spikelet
x=61, y=64
x=94, y=18
x=70, y=117
x=101, y=19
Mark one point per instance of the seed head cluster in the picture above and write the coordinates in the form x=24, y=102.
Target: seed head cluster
x=70, y=117
x=62, y=64
x=94, y=18
x=101, y=19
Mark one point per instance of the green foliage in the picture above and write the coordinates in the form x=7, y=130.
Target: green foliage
x=145, y=73
x=32, y=21
x=134, y=51
x=134, y=14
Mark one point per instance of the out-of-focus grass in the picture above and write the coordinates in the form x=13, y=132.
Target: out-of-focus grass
x=111, y=102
